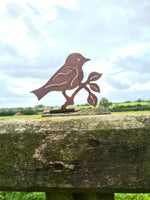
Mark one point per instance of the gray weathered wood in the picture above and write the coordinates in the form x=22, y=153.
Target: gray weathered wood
x=86, y=154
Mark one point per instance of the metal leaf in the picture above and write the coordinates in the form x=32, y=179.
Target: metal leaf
x=92, y=99
x=93, y=76
x=94, y=87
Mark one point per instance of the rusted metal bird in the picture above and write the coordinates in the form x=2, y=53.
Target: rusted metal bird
x=68, y=77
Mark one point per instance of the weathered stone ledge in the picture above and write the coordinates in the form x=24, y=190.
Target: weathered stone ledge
x=82, y=112
x=105, y=153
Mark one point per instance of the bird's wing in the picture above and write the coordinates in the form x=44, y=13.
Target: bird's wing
x=65, y=75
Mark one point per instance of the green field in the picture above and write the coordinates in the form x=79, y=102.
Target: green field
x=39, y=116
x=115, y=108
x=132, y=112
x=130, y=196
x=40, y=110
x=21, y=117
x=130, y=104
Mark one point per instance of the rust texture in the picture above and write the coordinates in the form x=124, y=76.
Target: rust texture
x=69, y=77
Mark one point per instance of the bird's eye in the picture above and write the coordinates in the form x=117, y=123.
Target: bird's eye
x=78, y=59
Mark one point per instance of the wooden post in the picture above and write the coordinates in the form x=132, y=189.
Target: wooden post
x=78, y=196
x=92, y=196
x=58, y=196
x=105, y=196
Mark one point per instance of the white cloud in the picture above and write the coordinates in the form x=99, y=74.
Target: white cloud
x=3, y=58
x=51, y=42
x=37, y=36
x=17, y=90
x=66, y=3
x=47, y=9
x=3, y=6
x=139, y=86
x=14, y=32
x=3, y=99
x=124, y=52
x=133, y=49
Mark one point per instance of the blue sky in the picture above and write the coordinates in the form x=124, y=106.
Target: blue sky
x=36, y=36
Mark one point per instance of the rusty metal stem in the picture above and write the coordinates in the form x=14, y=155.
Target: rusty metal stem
x=81, y=86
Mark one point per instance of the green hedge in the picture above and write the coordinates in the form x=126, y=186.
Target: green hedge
x=22, y=196
x=122, y=108
x=122, y=196
x=10, y=112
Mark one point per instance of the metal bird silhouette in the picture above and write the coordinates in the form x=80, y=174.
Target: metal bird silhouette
x=68, y=77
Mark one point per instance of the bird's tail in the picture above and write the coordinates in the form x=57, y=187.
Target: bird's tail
x=40, y=93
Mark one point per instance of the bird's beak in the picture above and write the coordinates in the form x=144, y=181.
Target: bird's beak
x=87, y=59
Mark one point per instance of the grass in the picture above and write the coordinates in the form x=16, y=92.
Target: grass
x=22, y=195
x=41, y=196
x=132, y=112
x=129, y=196
x=39, y=116
x=83, y=107
x=130, y=104
x=21, y=117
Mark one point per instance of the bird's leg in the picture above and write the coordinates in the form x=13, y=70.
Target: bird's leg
x=65, y=95
x=63, y=107
x=69, y=101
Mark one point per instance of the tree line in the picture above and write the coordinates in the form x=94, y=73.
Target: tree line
x=115, y=107
x=103, y=103
x=24, y=111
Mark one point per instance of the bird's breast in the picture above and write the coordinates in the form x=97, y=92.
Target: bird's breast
x=75, y=78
